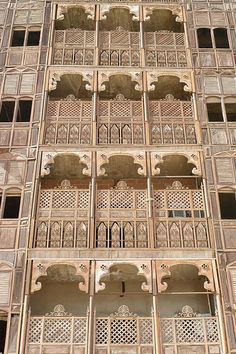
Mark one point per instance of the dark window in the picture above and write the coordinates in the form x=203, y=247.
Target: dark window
x=214, y=112
x=18, y=38
x=11, y=207
x=33, y=38
x=221, y=38
x=227, y=205
x=7, y=111
x=230, y=111
x=24, y=111
x=204, y=38
x=3, y=330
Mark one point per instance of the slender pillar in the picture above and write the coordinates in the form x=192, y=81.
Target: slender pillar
x=156, y=314
x=92, y=228
x=150, y=202
x=91, y=315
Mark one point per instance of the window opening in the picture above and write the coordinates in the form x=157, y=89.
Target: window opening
x=11, y=207
x=3, y=330
x=33, y=38
x=214, y=111
x=227, y=205
x=7, y=111
x=204, y=38
x=230, y=111
x=18, y=38
x=221, y=38
x=24, y=111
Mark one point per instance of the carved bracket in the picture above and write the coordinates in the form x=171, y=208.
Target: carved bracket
x=204, y=268
x=183, y=77
x=175, y=9
x=103, y=158
x=48, y=160
x=105, y=8
x=103, y=270
x=55, y=77
x=39, y=269
x=194, y=159
x=103, y=77
x=63, y=9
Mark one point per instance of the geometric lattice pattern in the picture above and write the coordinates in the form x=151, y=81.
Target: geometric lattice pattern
x=54, y=199
x=123, y=331
x=145, y=330
x=116, y=199
x=189, y=330
x=179, y=200
x=102, y=332
x=57, y=330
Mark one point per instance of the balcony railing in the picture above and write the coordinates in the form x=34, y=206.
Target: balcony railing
x=184, y=334
x=165, y=49
x=122, y=218
x=124, y=332
x=120, y=121
x=119, y=48
x=74, y=47
x=172, y=121
x=63, y=218
x=68, y=122
x=180, y=218
x=57, y=331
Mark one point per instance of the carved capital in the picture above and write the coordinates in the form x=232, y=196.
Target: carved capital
x=39, y=269
x=175, y=9
x=183, y=77
x=103, y=77
x=164, y=270
x=105, y=8
x=55, y=77
x=103, y=272
x=63, y=9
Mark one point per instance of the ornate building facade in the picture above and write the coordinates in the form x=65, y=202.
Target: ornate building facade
x=117, y=177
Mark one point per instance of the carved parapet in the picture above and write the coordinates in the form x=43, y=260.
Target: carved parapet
x=105, y=8
x=103, y=77
x=185, y=78
x=54, y=77
x=63, y=9
x=40, y=269
x=103, y=273
x=48, y=160
x=139, y=159
x=192, y=158
x=175, y=9
x=204, y=269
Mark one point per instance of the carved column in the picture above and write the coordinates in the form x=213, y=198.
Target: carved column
x=94, y=102
x=156, y=313
x=92, y=227
x=150, y=202
x=97, y=17
x=146, y=110
x=142, y=50
x=91, y=316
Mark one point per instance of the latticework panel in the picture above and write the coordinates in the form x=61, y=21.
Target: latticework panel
x=74, y=46
x=189, y=330
x=122, y=199
x=181, y=234
x=169, y=108
x=51, y=330
x=166, y=58
x=164, y=39
x=65, y=218
x=68, y=122
x=173, y=133
x=186, y=200
x=121, y=234
x=115, y=331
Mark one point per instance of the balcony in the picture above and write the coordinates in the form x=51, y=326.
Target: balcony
x=180, y=219
x=121, y=218
x=182, y=335
x=62, y=218
x=172, y=121
x=120, y=121
x=68, y=121
x=119, y=48
x=74, y=47
x=165, y=49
